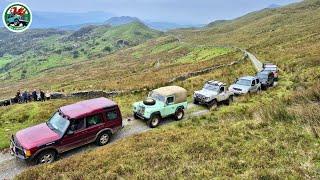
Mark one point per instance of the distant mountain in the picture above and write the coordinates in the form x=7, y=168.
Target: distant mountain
x=54, y=20
x=76, y=26
x=161, y=26
x=116, y=21
x=217, y=22
x=165, y=26
x=273, y=6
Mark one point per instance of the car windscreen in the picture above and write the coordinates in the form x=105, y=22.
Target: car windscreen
x=244, y=82
x=211, y=87
x=58, y=124
x=157, y=96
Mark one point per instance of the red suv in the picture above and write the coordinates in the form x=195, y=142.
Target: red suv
x=70, y=127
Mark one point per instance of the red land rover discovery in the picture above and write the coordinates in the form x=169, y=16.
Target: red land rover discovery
x=70, y=127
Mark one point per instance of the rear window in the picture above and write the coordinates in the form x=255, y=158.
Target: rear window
x=270, y=69
x=263, y=74
x=112, y=115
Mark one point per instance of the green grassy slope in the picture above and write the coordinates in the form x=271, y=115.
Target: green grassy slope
x=58, y=49
x=274, y=135
x=137, y=66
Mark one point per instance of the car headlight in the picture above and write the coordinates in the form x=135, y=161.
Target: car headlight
x=27, y=152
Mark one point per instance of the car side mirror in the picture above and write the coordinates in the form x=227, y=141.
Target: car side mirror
x=70, y=132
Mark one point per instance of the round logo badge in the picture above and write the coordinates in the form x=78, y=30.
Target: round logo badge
x=17, y=17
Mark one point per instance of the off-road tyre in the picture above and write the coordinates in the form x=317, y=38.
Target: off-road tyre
x=46, y=157
x=103, y=138
x=272, y=84
x=213, y=105
x=154, y=121
x=179, y=114
x=229, y=100
x=135, y=116
x=149, y=102
x=196, y=102
x=259, y=90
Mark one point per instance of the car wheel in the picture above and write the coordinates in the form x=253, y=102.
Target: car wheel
x=213, y=105
x=135, y=116
x=229, y=100
x=195, y=102
x=154, y=121
x=259, y=90
x=46, y=157
x=179, y=114
x=103, y=138
x=272, y=84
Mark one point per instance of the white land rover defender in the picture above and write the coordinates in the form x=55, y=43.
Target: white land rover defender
x=213, y=93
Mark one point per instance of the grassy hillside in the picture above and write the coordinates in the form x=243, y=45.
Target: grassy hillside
x=44, y=50
x=274, y=135
x=147, y=65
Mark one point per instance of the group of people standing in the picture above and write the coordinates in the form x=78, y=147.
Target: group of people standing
x=25, y=97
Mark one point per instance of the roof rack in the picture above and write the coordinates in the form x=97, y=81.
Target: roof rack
x=218, y=83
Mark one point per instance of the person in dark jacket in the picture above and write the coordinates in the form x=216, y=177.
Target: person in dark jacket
x=25, y=97
x=17, y=99
x=34, y=95
x=42, y=95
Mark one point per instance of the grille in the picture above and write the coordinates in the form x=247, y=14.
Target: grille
x=237, y=89
x=141, y=110
x=200, y=96
x=17, y=146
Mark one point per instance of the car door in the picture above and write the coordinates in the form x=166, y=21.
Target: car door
x=169, y=108
x=253, y=86
x=94, y=124
x=75, y=136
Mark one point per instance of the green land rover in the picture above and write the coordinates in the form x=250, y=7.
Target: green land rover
x=162, y=103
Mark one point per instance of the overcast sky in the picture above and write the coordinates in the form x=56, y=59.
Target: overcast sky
x=179, y=11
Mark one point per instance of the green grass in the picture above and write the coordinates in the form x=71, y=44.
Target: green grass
x=165, y=48
x=232, y=142
x=5, y=60
x=203, y=54
x=274, y=135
